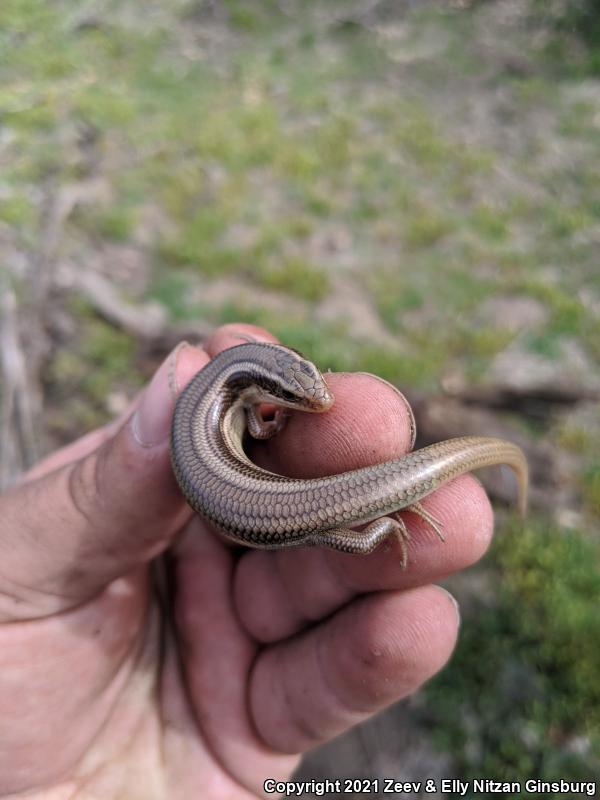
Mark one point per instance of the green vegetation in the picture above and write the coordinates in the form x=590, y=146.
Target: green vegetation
x=82, y=375
x=278, y=140
x=575, y=21
x=297, y=277
x=591, y=489
x=519, y=717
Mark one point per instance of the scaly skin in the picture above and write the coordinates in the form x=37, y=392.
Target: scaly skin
x=262, y=509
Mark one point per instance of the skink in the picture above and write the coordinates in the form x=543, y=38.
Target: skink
x=258, y=508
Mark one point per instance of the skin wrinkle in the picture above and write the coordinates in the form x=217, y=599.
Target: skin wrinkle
x=341, y=592
x=166, y=633
x=360, y=655
x=49, y=613
x=311, y=724
x=292, y=707
x=293, y=591
x=184, y=622
x=417, y=633
x=387, y=421
x=255, y=573
x=92, y=494
x=288, y=596
x=330, y=685
x=336, y=568
x=95, y=489
x=220, y=754
x=381, y=656
x=121, y=670
x=85, y=491
x=172, y=378
x=299, y=724
x=292, y=594
x=146, y=643
x=342, y=443
x=190, y=711
x=78, y=492
x=135, y=658
x=45, y=593
x=81, y=793
x=23, y=595
x=412, y=425
x=419, y=636
x=319, y=645
x=80, y=449
x=128, y=749
x=218, y=757
x=341, y=440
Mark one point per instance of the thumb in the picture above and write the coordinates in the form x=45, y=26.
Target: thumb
x=65, y=535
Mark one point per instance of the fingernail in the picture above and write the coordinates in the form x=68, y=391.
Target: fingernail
x=409, y=412
x=454, y=602
x=231, y=336
x=244, y=336
x=151, y=422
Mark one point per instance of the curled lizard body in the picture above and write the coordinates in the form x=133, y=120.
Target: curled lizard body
x=258, y=508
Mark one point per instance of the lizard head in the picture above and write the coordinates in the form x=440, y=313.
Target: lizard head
x=287, y=379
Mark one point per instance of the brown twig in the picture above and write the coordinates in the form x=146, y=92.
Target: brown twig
x=146, y=321
x=18, y=448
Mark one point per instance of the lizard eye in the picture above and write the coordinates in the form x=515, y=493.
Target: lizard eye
x=289, y=396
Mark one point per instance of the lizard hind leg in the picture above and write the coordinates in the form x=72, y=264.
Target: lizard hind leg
x=260, y=428
x=430, y=519
x=365, y=541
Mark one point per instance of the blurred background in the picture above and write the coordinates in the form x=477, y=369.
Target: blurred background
x=408, y=188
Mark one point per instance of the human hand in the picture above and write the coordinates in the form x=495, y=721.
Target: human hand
x=214, y=671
